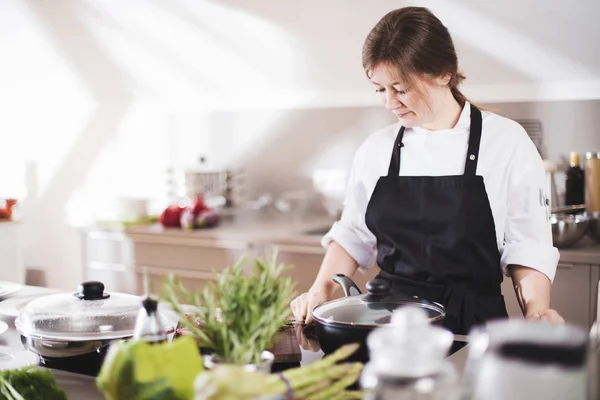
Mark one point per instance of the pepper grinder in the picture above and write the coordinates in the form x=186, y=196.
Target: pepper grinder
x=148, y=326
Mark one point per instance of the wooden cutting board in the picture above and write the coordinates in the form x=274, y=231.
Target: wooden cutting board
x=287, y=349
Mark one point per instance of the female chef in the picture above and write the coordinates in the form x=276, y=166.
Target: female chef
x=447, y=199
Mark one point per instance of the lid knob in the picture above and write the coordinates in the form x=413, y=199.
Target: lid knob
x=91, y=290
x=378, y=287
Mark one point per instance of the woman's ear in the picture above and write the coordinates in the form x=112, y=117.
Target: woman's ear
x=443, y=80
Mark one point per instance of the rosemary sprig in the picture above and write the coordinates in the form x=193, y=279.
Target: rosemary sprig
x=240, y=313
x=8, y=391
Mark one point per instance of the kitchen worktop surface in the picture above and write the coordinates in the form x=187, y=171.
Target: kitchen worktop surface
x=586, y=251
x=80, y=386
x=307, y=230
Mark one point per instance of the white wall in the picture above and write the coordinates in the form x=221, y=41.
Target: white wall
x=298, y=142
x=566, y=126
x=99, y=97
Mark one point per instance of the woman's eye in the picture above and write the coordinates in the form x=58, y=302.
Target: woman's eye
x=400, y=91
x=380, y=90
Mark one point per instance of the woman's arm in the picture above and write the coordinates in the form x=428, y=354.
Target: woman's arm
x=528, y=254
x=336, y=261
x=532, y=289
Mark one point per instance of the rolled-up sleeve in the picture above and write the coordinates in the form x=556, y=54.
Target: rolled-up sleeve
x=528, y=232
x=351, y=231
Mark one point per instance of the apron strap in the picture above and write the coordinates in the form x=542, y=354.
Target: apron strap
x=460, y=305
x=474, y=141
x=394, y=169
x=472, y=151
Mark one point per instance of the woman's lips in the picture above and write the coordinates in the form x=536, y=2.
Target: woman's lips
x=402, y=115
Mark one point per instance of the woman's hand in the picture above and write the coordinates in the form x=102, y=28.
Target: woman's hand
x=303, y=305
x=548, y=315
x=533, y=293
x=336, y=261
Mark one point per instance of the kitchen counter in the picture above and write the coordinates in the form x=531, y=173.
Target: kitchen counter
x=80, y=386
x=586, y=251
x=308, y=231
x=253, y=228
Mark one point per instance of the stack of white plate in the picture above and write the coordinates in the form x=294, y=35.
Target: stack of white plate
x=8, y=288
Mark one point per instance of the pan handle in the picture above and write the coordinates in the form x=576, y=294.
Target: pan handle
x=350, y=288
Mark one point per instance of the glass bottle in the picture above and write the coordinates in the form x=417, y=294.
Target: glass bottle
x=592, y=177
x=574, y=182
x=148, y=326
x=408, y=360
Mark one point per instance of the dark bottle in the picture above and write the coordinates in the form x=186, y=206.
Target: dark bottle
x=574, y=183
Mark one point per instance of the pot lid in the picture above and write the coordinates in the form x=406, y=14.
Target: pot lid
x=374, y=308
x=89, y=314
x=359, y=310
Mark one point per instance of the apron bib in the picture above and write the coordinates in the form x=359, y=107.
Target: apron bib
x=436, y=238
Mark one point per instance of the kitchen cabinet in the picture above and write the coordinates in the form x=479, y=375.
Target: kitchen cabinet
x=510, y=299
x=574, y=294
x=306, y=259
x=571, y=293
x=108, y=258
x=192, y=258
x=120, y=259
x=11, y=256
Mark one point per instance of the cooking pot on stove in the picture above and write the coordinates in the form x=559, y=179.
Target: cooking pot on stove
x=67, y=325
x=350, y=319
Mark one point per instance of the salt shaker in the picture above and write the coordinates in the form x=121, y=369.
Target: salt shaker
x=408, y=360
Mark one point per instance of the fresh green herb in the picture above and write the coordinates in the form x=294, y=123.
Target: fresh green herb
x=29, y=383
x=240, y=313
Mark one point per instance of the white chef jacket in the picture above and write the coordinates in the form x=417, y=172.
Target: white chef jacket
x=512, y=171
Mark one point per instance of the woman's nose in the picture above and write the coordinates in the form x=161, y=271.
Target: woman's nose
x=391, y=102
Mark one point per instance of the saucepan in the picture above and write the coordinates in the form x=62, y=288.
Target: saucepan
x=350, y=319
x=65, y=325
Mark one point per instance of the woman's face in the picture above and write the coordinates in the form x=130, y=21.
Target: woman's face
x=415, y=104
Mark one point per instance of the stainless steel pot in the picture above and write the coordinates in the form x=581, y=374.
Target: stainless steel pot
x=86, y=322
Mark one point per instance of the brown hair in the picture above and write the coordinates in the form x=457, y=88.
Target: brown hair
x=414, y=41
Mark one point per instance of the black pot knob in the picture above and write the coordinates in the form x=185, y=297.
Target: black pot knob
x=91, y=290
x=378, y=287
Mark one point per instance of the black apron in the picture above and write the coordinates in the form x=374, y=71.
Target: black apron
x=436, y=238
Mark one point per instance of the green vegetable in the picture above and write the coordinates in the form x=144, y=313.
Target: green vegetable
x=29, y=383
x=137, y=370
x=324, y=379
x=240, y=313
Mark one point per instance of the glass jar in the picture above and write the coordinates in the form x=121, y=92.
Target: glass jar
x=408, y=360
x=521, y=360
